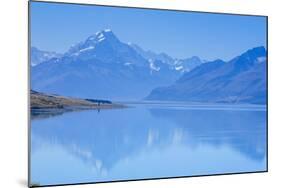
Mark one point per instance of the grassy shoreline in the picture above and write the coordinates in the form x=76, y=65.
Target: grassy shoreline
x=50, y=102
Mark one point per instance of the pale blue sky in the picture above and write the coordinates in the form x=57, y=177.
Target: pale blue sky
x=55, y=27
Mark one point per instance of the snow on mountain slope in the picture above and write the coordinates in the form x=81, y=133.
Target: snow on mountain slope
x=38, y=56
x=243, y=79
x=102, y=67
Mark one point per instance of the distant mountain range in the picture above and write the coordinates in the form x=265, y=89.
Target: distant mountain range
x=104, y=67
x=241, y=80
x=181, y=65
x=38, y=56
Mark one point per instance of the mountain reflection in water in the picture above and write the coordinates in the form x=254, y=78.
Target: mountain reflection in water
x=147, y=141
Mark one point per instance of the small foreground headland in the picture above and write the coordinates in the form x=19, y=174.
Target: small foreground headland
x=43, y=104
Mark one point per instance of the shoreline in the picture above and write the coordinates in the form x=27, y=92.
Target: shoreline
x=42, y=104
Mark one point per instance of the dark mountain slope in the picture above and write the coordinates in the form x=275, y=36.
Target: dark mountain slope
x=242, y=79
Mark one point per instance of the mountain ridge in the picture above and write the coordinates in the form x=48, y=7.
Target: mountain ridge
x=38, y=56
x=242, y=79
x=101, y=67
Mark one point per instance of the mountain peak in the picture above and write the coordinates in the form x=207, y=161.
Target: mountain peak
x=105, y=32
x=257, y=51
x=102, y=35
x=92, y=41
x=250, y=57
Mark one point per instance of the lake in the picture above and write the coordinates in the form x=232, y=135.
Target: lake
x=148, y=141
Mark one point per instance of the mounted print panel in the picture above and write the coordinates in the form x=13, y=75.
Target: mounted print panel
x=119, y=93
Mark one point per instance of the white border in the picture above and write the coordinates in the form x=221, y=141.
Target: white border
x=13, y=82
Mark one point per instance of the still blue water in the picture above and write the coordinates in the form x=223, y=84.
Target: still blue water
x=147, y=141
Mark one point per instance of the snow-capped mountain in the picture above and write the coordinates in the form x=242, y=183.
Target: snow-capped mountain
x=186, y=65
x=181, y=65
x=152, y=56
x=243, y=79
x=106, y=47
x=38, y=56
x=102, y=67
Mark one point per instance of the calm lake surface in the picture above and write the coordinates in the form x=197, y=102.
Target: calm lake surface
x=147, y=141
